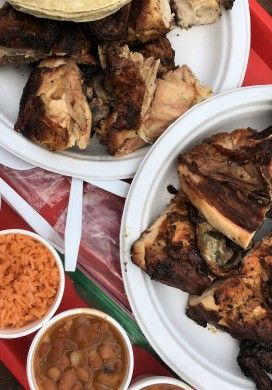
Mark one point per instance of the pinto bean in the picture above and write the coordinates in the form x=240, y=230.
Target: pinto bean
x=106, y=351
x=107, y=379
x=49, y=384
x=77, y=386
x=80, y=334
x=95, y=361
x=68, y=379
x=83, y=374
x=57, y=350
x=69, y=345
x=44, y=349
x=63, y=362
x=54, y=373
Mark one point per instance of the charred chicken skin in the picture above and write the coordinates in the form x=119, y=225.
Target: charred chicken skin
x=228, y=179
x=240, y=305
x=53, y=109
x=160, y=49
x=167, y=250
x=130, y=79
x=24, y=38
x=111, y=28
x=148, y=20
x=254, y=360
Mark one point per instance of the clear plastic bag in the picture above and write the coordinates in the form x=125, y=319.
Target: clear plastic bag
x=99, y=258
x=99, y=249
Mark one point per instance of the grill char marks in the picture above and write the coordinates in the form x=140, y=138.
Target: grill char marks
x=53, y=110
x=239, y=305
x=167, y=250
x=254, y=359
x=228, y=178
x=24, y=38
x=130, y=81
x=111, y=28
x=160, y=49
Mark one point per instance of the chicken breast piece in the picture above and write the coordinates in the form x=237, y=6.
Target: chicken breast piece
x=131, y=81
x=240, y=305
x=53, y=109
x=148, y=20
x=167, y=250
x=176, y=92
x=228, y=179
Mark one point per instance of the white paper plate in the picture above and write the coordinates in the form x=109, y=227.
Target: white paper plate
x=205, y=360
x=218, y=54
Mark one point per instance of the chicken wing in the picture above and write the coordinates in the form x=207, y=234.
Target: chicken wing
x=53, y=109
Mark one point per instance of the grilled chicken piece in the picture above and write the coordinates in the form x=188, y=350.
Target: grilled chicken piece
x=131, y=82
x=228, y=179
x=53, y=108
x=196, y=12
x=254, y=359
x=176, y=92
x=148, y=20
x=167, y=250
x=160, y=49
x=240, y=305
x=24, y=38
x=111, y=28
x=73, y=42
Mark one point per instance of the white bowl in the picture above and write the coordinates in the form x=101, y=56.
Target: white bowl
x=10, y=333
x=159, y=380
x=72, y=312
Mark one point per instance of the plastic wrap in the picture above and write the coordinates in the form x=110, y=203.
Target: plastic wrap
x=48, y=193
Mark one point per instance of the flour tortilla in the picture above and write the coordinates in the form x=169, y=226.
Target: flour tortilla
x=72, y=10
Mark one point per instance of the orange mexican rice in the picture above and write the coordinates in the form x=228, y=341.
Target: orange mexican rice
x=29, y=280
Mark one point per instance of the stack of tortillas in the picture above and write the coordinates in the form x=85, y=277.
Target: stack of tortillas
x=73, y=10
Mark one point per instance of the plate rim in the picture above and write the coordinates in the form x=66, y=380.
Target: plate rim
x=261, y=94
x=109, y=169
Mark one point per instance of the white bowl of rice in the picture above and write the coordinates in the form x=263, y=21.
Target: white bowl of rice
x=31, y=282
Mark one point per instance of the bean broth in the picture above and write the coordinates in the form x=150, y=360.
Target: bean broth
x=81, y=352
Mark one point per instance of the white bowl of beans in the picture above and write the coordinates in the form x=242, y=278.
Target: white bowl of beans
x=159, y=383
x=80, y=349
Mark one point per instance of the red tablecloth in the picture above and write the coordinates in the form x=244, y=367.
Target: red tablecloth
x=14, y=352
